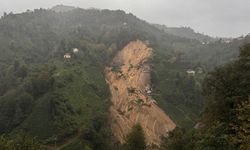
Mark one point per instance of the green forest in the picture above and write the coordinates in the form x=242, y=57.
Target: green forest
x=47, y=99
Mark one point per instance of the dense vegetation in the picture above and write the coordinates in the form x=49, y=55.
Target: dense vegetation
x=225, y=123
x=136, y=139
x=20, y=142
x=52, y=98
x=43, y=94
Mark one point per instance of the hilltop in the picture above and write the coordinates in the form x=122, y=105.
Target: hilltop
x=186, y=32
x=62, y=8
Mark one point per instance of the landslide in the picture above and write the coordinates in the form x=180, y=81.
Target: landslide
x=129, y=78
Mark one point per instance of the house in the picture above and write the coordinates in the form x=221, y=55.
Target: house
x=190, y=72
x=75, y=50
x=67, y=56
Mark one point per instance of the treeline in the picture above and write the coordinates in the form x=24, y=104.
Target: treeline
x=20, y=142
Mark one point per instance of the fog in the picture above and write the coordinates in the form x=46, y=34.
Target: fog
x=223, y=18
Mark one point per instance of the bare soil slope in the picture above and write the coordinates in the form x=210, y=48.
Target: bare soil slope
x=129, y=82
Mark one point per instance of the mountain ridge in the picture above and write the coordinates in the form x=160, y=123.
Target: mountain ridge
x=186, y=32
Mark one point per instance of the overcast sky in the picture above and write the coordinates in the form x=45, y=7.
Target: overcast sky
x=223, y=18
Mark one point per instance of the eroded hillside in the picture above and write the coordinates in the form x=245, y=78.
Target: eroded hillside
x=129, y=81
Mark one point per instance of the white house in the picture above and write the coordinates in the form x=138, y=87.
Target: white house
x=67, y=56
x=75, y=50
x=190, y=72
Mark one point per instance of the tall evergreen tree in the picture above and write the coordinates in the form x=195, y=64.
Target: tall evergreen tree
x=136, y=139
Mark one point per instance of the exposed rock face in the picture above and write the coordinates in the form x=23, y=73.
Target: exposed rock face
x=129, y=82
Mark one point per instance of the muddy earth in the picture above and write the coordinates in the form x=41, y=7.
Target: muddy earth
x=129, y=81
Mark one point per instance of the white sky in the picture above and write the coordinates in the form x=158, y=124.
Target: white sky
x=223, y=18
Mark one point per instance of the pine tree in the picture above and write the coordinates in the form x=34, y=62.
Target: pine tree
x=136, y=139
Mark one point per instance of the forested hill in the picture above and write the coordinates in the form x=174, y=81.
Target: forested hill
x=186, y=32
x=45, y=95
x=224, y=124
x=62, y=8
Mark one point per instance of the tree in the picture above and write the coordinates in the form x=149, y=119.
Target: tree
x=241, y=126
x=20, y=142
x=175, y=140
x=136, y=139
x=4, y=14
x=41, y=83
x=22, y=71
x=227, y=110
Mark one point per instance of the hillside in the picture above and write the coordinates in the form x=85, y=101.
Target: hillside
x=129, y=80
x=186, y=32
x=225, y=122
x=49, y=91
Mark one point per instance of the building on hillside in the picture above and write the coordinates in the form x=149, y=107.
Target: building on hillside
x=75, y=50
x=191, y=72
x=67, y=56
